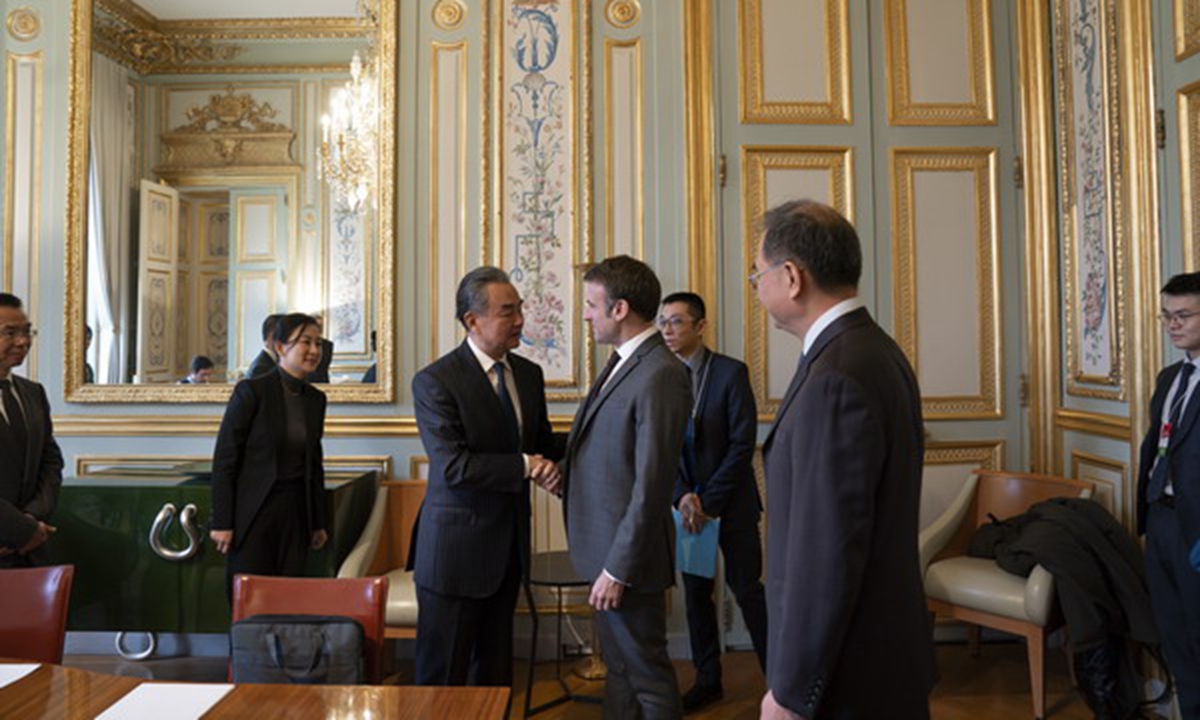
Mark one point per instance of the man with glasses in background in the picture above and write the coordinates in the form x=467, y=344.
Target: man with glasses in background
x=30, y=461
x=716, y=481
x=1168, y=499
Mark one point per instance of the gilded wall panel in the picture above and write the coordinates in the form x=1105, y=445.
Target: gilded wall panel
x=946, y=235
x=624, y=160
x=1090, y=180
x=1111, y=478
x=447, y=183
x=1188, y=100
x=1187, y=28
x=22, y=179
x=792, y=69
x=773, y=174
x=940, y=62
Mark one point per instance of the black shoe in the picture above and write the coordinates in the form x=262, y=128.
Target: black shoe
x=700, y=696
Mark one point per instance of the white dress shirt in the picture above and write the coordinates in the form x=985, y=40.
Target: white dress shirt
x=828, y=317
x=17, y=394
x=627, y=349
x=1187, y=398
x=488, y=363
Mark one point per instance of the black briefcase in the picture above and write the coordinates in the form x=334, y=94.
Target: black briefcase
x=297, y=649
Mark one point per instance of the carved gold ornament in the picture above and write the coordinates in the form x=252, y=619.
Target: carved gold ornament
x=24, y=24
x=232, y=113
x=146, y=50
x=623, y=13
x=449, y=14
x=232, y=130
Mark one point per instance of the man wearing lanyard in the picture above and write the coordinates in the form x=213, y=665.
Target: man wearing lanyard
x=1168, y=502
x=716, y=480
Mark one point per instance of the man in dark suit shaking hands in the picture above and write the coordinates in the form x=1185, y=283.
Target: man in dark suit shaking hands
x=850, y=636
x=716, y=480
x=621, y=461
x=1168, y=500
x=481, y=411
x=30, y=461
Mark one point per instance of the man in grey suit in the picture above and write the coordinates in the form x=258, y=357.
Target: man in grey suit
x=30, y=461
x=482, y=415
x=618, y=477
x=849, y=635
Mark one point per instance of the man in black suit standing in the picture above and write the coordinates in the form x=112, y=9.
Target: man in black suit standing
x=30, y=461
x=264, y=362
x=622, y=458
x=481, y=411
x=1168, y=499
x=850, y=635
x=716, y=480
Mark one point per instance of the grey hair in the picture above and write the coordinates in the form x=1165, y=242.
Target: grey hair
x=472, y=291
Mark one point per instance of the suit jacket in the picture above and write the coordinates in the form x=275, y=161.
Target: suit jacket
x=477, y=496
x=850, y=635
x=262, y=364
x=246, y=459
x=1184, y=456
x=33, y=489
x=724, y=430
x=622, y=458
x=321, y=374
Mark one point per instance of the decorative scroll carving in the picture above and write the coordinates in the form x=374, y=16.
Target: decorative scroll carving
x=232, y=131
x=147, y=51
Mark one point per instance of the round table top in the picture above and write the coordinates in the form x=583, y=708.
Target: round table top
x=554, y=568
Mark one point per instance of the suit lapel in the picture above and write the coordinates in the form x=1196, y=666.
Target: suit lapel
x=526, y=392
x=828, y=335
x=1189, y=413
x=33, y=426
x=619, y=376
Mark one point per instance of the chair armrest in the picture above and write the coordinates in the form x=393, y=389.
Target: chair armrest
x=932, y=539
x=1039, y=596
x=359, y=560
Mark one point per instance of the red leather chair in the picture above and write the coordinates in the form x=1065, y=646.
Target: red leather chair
x=33, y=612
x=362, y=599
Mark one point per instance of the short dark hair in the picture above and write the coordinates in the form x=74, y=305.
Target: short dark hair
x=288, y=324
x=815, y=236
x=9, y=300
x=202, y=362
x=87, y=330
x=628, y=279
x=694, y=302
x=269, y=325
x=472, y=291
x=1183, y=284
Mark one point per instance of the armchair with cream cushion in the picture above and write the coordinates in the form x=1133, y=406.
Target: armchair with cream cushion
x=976, y=590
x=384, y=544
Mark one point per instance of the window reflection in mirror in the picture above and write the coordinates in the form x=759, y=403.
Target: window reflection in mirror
x=208, y=209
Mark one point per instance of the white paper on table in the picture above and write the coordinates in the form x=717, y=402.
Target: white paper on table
x=187, y=701
x=9, y=674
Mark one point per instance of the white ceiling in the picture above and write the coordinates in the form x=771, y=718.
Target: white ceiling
x=223, y=9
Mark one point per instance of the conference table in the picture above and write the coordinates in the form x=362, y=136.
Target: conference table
x=53, y=691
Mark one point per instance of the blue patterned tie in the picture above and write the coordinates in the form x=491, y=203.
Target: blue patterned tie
x=506, y=404
x=1162, y=467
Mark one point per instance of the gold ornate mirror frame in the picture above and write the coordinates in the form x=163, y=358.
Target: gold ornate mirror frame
x=76, y=390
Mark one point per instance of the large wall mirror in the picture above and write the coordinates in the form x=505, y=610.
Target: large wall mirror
x=229, y=161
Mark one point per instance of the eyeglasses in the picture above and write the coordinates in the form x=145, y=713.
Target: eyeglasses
x=753, y=278
x=674, y=323
x=1181, y=317
x=12, y=333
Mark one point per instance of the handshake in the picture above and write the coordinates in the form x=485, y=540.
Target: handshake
x=546, y=474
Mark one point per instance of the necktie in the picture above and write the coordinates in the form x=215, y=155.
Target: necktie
x=1162, y=467
x=16, y=423
x=506, y=404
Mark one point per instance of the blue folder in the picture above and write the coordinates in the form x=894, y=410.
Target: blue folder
x=696, y=553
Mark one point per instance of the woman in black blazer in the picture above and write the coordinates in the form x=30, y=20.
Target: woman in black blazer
x=268, y=477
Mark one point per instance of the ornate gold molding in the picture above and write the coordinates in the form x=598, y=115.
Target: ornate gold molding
x=623, y=14
x=988, y=454
x=1041, y=274
x=1093, y=423
x=457, y=137
x=88, y=464
x=979, y=109
x=24, y=24
x=389, y=426
x=1121, y=489
x=838, y=162
x=981, y=162
x=1187, y=28
x=134, y=15
x=1188, y=104
x=701, y=149
x=232, y=131
x=146, y=50
x=757, y=108
x=449, y=14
